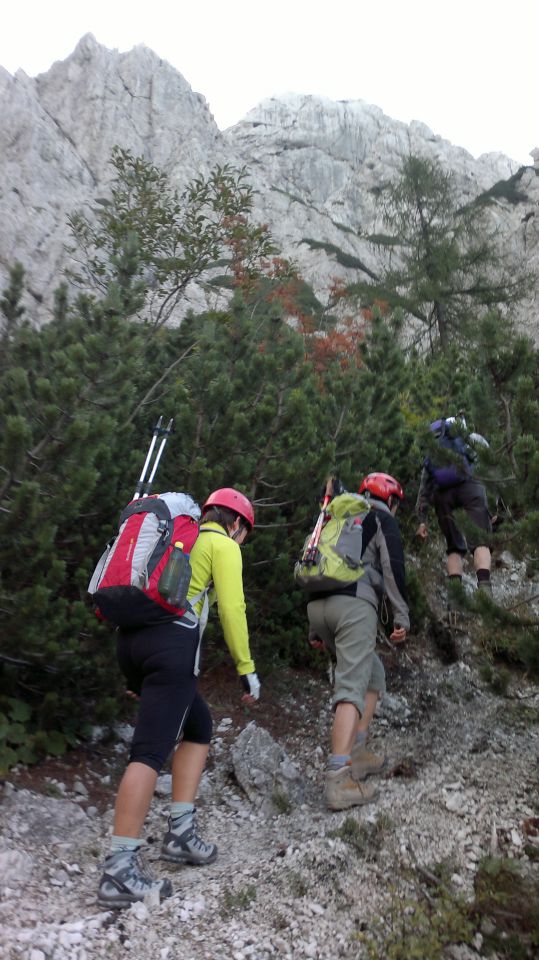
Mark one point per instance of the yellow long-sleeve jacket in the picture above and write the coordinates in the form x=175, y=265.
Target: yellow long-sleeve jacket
x=216, y=563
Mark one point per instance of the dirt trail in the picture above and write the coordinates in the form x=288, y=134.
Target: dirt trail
x=299, y=882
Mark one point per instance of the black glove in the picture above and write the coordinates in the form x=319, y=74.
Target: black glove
x=251, y=685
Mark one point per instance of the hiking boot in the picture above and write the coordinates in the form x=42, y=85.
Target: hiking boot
x=366, y=764
x=342, y=791
x=485, y=586
x=127, y=879
x=453, y=618
x=181, y=844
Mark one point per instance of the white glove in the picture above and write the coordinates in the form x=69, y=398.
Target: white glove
x=251, y=685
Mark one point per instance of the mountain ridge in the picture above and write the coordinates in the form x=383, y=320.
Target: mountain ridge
x=315, y=164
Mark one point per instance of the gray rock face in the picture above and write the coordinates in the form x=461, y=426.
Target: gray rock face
x=55, y=820
x=98, y=98
x=56, y=139
x=323, y=163
x=263, y=769
x=316, y=164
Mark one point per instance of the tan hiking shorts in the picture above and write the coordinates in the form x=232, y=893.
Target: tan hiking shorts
x=347, y=626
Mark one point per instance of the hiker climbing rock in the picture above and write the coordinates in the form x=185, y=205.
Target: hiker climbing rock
x=160, y=660
x=344, y=617
x=448, y=484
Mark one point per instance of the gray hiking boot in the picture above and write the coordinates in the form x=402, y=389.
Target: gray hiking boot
x=127, y=879
x=181, y=844
x=366, y=764
x=342, y=792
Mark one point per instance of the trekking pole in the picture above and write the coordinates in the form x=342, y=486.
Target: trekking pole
x=166, y=434
x=309, y=554
x=139, y=486
x=143, y=486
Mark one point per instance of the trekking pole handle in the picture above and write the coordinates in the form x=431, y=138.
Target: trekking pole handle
x=165, y=434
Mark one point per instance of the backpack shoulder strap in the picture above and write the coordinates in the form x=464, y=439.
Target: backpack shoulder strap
x=146, y=505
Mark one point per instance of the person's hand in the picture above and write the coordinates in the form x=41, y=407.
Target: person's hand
x=132, y=695
x=251, y=686
x=314, y=641
x=333, y=488
x=422, y=531
x=398, y=635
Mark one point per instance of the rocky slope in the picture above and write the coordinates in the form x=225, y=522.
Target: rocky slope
x=291, y=879
x=316, y=165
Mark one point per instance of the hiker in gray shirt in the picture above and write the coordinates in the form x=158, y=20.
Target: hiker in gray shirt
x=345, y=621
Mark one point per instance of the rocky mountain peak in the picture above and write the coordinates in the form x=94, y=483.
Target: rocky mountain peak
x=100, y=97
x=315, y=164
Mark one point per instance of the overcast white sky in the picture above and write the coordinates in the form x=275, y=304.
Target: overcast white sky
x=469, y=69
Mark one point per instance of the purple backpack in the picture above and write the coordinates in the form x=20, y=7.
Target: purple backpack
x=454, y=470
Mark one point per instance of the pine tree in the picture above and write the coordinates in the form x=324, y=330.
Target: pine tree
x=247, y=410
x=12, y=310
x=449, y=269
x=66, y=393
x=504, y=398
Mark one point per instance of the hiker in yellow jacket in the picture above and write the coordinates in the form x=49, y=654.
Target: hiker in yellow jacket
x=163, y=661
x=216, y=564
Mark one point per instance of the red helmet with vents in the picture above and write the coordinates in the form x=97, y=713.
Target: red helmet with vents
x=381, y=485
x=232, y=500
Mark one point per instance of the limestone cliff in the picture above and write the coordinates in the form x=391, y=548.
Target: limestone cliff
x=316, y=165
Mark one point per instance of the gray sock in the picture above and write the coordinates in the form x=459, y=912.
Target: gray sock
x=179, y=809
x=361, y=738
x=123, y=843
x=337, y=761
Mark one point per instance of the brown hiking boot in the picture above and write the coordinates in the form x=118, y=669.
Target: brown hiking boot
x=366, y=764
x=485, y=586
x=453, y=618
x=342, y=792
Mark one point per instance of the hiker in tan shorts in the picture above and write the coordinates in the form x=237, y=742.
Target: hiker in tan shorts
x=345, y=621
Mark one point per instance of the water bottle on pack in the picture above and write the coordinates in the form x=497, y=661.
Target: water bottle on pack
x=174, y=581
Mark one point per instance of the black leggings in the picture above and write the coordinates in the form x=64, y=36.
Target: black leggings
x=158, y=662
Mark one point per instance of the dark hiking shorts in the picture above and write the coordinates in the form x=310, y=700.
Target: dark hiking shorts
x=471, y=497
x=159, y=662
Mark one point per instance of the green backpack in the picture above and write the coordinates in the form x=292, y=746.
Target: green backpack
x=335, y=561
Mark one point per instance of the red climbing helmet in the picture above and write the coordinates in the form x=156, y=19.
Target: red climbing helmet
x=232, y=500
x=381, y=485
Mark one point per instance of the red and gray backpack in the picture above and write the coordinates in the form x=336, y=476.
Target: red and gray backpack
x=124, y=585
